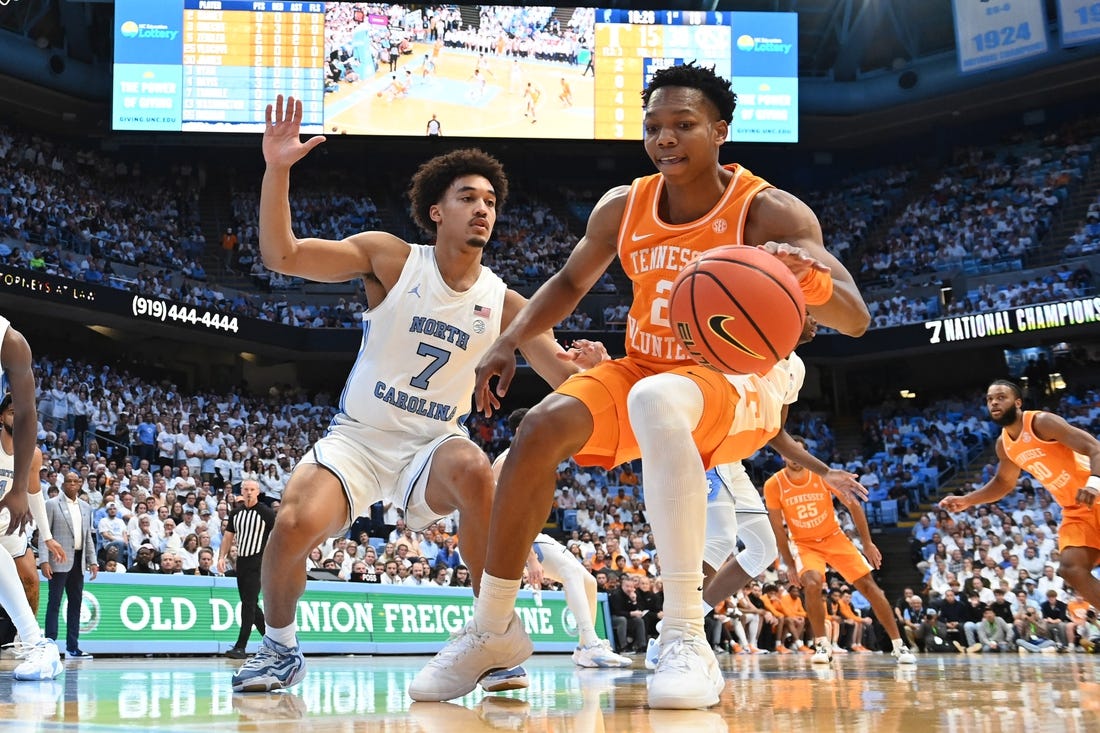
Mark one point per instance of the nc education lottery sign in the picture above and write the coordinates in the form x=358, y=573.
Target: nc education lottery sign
x=1016, y=320
x=139, y=614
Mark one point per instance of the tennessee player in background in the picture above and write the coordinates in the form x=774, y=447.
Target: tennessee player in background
x=1065, y=460
x=656, y=403
x=805, y=502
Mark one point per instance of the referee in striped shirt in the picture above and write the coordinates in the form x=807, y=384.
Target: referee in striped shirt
x=250, y=525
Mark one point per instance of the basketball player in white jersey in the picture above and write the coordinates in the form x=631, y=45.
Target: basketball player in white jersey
x=41, y=658
x=16, y=542
x=735, y=509
x=399, y=435
x=549, y=558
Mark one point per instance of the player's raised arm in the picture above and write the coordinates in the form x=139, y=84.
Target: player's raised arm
x=778, y=216
x=17, y=364
x=321, y=260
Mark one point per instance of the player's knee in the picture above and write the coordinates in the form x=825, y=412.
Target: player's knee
x=664, y=401
x=552, y=430
x=1072, y=570
x=812, y=581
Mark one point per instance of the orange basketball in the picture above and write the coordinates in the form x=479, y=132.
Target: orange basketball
x=737, y=309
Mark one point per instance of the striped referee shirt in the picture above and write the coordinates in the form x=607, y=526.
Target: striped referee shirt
x=250, y=527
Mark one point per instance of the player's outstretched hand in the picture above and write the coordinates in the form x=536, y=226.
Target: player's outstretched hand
x=585, y=354
x=282, y=146
x=499, y=361
x=844, y=485
x=873, y=555
x=16, y=504
x=797, y=259
x=1087, y=495
x=953, y=504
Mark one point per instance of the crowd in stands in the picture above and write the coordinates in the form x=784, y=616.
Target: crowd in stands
x=163, y=469
x=1086, y=240
x=986, y=212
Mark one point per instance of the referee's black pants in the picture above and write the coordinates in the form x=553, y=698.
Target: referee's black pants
x=248, y=588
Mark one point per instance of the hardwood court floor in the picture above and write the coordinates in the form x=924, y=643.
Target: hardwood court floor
x=979, y=694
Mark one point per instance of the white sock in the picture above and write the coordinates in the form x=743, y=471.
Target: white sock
x=496, y=604
x=898, y=644
x=663, y=410
x=822, y=640
x=285, y=635
x=14, y=600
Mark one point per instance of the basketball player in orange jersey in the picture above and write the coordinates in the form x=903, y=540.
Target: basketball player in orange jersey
x=1065, y=460
x=656, y=402
x=805, y=501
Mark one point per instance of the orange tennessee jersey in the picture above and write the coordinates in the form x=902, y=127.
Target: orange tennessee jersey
x=807, y=507
x=1052, y=464
x=792, y=607
x=654, y=252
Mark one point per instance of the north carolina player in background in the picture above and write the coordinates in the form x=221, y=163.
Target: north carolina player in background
x=656, y=403
x=549, y=558
x=434, y=310
x=805, y=502
x=735, y=509
x=42, y=660
x=1065, y=460
x=16, y=543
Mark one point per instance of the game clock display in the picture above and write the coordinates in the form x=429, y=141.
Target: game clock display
x=477, y=71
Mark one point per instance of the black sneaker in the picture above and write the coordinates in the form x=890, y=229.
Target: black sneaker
x=237, y=653
x=78, y=654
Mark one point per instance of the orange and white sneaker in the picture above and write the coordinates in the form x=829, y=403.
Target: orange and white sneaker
x=780, y=649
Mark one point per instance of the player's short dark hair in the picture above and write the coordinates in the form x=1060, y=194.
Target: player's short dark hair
x=1011, y=385
x=5, y=402
x=718, y=90
x=513, y=419
x=433, y=178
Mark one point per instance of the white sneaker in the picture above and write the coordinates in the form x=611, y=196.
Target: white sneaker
x=599, y=655
x=652, y=652
x=687, y=674
x=467, y=657
x=822, y=654
x=41, y=661
x=904, y=656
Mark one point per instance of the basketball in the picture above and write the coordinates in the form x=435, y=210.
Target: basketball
x=737, y=309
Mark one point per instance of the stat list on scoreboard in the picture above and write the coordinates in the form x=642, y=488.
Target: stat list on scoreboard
x=754, y=50
x=237, y=56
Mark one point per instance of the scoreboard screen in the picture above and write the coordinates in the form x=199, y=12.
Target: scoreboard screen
x=459, y=71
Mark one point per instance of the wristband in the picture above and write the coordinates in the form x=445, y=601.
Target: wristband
x=817, y=287
x=1093, y=483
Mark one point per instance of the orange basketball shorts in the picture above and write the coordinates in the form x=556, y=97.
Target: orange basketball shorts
x=604, y=389
x=834, y=550
x=1080, y=527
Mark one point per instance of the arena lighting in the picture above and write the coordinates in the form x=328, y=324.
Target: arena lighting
x=907, y=394
x=111, y=333
x=1057, y=383
x=248, y=356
